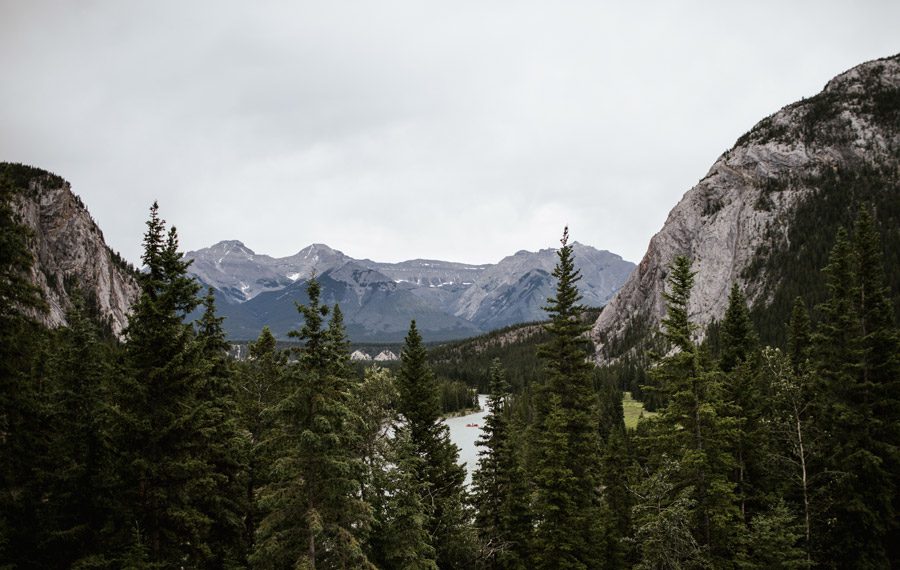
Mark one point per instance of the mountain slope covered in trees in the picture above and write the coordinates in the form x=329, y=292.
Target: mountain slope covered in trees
x=766, y=213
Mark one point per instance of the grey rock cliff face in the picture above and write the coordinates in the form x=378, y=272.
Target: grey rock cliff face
x=724, y=221
x=69, y=249
x=516, y=289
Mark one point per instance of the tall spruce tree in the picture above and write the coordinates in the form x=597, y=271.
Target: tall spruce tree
x=225, y=449
x=880, y=366
x=77, y=481
x=260, y=384
x=444, y=493
x=494, y=483
x=565, y=441
x=738, y=338
x=20, y=301
x=742, y=390
x=314, y=515
x=405, y=543
x=855, y=406
x=160, y=414
x=693, y=434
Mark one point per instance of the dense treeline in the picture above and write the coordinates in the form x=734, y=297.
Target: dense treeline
x=515, y=346
x=160, y=451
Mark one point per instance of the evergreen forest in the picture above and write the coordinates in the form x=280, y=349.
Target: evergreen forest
x=159, y=450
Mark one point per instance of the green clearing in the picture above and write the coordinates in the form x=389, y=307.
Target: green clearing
x=634, y=411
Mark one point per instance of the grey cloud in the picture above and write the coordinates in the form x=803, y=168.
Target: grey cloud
x=394, y=130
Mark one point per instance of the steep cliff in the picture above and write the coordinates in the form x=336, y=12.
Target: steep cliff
x=69, y=250
x=765, y=213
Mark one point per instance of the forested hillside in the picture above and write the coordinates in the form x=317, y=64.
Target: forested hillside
x=160, y=451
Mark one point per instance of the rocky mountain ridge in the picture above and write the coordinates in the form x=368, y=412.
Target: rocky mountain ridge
x=69, y=250
x=738, y=223
x=447, y=299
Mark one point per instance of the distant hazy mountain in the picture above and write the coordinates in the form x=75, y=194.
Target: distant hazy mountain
x=448, y=300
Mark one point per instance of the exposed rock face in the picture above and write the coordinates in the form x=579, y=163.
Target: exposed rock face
x=516, y=289
x=743, y=207
x=69, y=251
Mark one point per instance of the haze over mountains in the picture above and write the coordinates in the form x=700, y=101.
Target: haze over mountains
x=447, y=299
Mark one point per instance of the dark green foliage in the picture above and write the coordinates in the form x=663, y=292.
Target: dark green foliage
x=77, y=481
x=470, y=360
x=772, y=542
x=164, y=408
x=313, y=514
x=743, y=395
x=260, y=384
x=799, y=340
x=407, y=544
x=856, y=365
x=564, y=440
x=442, y=477
x=794, y=441
x=226, y=448
x=19, y=345
x=738, y=337
x=617, y=498
x=455, y=396
x=690, y=443
x=495, y=497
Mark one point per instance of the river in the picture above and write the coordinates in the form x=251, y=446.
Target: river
x=465, y=437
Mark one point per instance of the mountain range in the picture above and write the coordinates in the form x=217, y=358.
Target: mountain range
x=447, y=299
x=763, y=217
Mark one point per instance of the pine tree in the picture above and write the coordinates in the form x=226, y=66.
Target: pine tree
x=442, y=477
x=314, y=516
x=693, y=433
x=158, y=430
x=260, y=384
x=20, y=339
x=495, y=481
x=406, y=543
x=565, y=440
x=77, y=482
x=738, y=338
x=799, y=335
x=772, y=542
x=739, y=361
x=225, y=450
x=856, y=355
x=880, y=367
x=617, y=499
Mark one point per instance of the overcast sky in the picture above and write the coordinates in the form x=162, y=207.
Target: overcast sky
x=391, y=130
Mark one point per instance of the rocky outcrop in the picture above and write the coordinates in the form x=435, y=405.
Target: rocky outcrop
x=386, y=356
x=69, y=250
x=516, y=289
x=741, y=211
x=359, y=355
